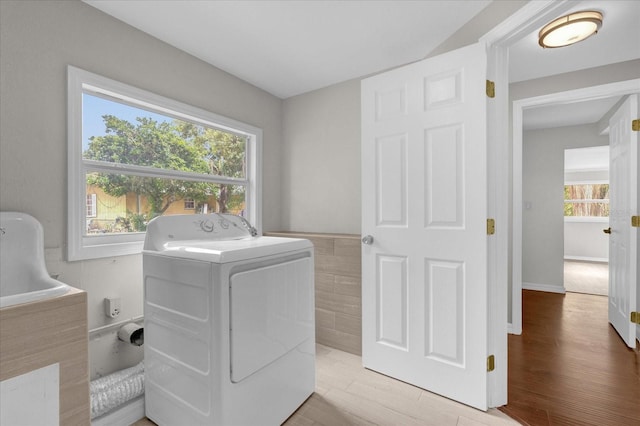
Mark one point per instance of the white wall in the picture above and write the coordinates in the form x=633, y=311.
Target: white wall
x=585, y=240
x=543, y=197
x=38, y=39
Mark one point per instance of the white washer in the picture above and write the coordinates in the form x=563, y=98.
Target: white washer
x=229, y=323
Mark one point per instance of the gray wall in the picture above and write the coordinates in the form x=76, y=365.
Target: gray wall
x=321, y=160
x=38, y=39
x=621, y=71
x=321, y=145
x=543, y=189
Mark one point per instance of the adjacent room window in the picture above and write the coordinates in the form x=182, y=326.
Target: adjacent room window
x=134, y=155
x=586, y=200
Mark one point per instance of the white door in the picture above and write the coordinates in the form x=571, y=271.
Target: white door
x=424, y=203
x=623, y=203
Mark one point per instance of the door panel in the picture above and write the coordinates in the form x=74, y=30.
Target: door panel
x=392, y=301
x=444, y=304
x=424, y=181
x=391, y=187
x=623, y=179
x=443, y=165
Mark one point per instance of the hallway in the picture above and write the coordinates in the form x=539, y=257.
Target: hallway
x=569, y=366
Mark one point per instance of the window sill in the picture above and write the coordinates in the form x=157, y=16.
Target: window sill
x=586, y=219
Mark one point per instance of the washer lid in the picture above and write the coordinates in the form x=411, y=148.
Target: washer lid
x=213, y=237
x=224, y=251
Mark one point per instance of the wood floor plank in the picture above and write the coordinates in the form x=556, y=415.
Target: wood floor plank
x=569, y=366
x=349, y=395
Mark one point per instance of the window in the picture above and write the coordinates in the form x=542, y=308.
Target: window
x=91, y=205
x=586, y=200
x=138, y=155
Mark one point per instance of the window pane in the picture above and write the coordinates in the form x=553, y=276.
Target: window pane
x=126, y=203
x=587, y=200
x=119, y=133
x=586, y=209
x=599, y=191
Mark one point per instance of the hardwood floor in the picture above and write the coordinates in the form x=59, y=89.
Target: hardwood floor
x=347, y=394
x=569, y=366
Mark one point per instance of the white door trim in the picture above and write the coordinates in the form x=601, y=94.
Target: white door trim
x=619, y=88
x=523, y=22
x=506, y=251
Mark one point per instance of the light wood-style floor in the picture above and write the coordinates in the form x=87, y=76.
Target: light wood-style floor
x=347, y=394
x=569, y=366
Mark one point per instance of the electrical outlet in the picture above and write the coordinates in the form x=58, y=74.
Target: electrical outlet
x=112, y=307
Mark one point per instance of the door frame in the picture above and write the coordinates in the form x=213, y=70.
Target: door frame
x=523, y=22
x=619, y=88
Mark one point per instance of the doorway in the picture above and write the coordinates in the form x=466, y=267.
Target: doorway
x=617, y=89
x=586, y=219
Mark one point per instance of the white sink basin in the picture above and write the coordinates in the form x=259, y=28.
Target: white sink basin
x=23, y=274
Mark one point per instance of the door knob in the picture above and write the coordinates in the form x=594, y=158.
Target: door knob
x=367, y=239
x=607, y=231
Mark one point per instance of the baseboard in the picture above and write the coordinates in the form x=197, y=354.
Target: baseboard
x=512, y=330
x=125, y=415
x=543, y=287
x=588, y=259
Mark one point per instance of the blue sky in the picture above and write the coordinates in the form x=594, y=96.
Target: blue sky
x=93, y=108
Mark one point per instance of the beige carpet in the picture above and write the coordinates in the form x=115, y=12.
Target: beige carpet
x=586, y=277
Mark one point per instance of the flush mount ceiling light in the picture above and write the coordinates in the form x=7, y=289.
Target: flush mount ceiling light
x=570, y=29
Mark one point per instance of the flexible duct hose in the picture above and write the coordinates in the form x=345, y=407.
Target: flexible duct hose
x=111, y=391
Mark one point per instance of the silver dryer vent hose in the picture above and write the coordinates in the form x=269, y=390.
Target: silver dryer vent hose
x=116, y=389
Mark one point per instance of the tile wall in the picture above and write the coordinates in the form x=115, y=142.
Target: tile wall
x=338, y=281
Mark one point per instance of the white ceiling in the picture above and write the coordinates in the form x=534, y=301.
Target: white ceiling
x=618, y=40
x=570, y=114
x=293, y=47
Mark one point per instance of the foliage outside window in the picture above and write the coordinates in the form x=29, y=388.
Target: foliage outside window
x=139, y=155
x=586, y=200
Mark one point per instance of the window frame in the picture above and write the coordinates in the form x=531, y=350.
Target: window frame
x=81, y=246
x=191, y=202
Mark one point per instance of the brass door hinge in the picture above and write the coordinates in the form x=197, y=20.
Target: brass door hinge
x=635, y=317
x=491, y=363
x=635, y=125
x=491, y=89
x=491, y=226
x=635, y=221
